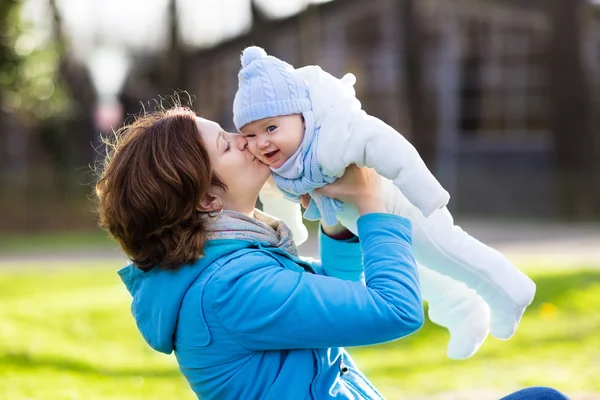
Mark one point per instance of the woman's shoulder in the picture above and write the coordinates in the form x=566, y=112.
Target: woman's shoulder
x=248, y=259
x=259, y=262
x=226, y=267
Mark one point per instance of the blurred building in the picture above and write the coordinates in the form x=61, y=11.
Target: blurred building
x=486, y=82
x=500, y=97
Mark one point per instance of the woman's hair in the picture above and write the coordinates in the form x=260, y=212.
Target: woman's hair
x=154, y=175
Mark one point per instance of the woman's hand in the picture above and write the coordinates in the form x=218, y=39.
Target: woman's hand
x=358, y=186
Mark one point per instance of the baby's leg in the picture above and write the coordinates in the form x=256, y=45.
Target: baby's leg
x=451, y=303
x=443, y=247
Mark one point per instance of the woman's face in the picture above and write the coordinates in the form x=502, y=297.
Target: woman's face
x=231, y=161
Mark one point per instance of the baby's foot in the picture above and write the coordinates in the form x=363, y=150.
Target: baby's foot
x=457, y=308
x=506, y=315
x=467, y=319
x=504, y=324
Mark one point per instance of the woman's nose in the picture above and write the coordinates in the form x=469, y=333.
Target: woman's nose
x=240, y=142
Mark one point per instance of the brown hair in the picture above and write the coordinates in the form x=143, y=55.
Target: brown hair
x=155, y=173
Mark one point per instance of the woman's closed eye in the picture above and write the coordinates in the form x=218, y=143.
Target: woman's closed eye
x=250, y=136
x=271, y=128
x=227, y=146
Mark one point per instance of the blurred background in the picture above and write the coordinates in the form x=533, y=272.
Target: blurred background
x=500, y=98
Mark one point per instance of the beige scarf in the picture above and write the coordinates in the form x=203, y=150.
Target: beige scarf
x=262, y=228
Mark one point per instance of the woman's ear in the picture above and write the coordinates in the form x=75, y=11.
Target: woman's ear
x=210, y=202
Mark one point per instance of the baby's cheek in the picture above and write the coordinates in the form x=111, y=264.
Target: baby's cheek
x=253, y=149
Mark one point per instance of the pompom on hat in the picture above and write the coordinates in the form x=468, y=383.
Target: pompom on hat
x=252, y=53
x=267, y=87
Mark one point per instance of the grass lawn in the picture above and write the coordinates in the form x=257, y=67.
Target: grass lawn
x=66, y=333
x=52, y=241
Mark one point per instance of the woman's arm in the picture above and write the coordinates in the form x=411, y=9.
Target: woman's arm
x=341, y=255
x=267, y=307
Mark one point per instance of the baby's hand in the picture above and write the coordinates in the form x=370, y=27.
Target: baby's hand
x=304, y=200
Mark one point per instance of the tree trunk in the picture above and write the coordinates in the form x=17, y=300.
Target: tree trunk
x=172, y=60
x=420, y=106
x=82, y=130
x=570, y=109
x=8, y=133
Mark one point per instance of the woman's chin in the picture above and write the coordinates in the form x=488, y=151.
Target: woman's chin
x=264, y=169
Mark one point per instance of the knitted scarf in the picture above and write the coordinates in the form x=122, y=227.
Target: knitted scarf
x=301, y=174
x=262, y=228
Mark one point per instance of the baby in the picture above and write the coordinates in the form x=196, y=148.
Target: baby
x=308, y=127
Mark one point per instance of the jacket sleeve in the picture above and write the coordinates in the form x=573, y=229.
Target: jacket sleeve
x=341, y=259
x=268, y=307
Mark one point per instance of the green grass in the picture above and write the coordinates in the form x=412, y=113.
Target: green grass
x=53, y=241
x=67, y=333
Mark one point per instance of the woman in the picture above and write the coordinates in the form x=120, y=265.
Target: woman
x=221, y=284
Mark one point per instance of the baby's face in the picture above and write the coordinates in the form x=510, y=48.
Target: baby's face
x=274, y=140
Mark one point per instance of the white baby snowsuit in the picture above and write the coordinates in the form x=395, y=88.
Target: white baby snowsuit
x=455, y=269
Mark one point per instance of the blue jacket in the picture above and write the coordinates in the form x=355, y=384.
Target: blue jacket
x=247, y=321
